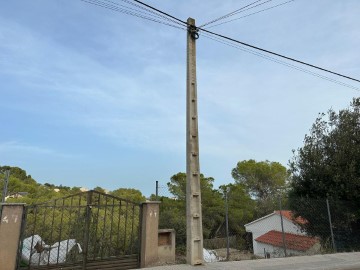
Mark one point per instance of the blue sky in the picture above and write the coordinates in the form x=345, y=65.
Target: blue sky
x=91, y=97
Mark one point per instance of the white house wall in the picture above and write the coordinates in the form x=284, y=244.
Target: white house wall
x=272, y=222
x=276, y=252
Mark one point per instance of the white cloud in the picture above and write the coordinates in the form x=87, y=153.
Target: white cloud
x=23, y=149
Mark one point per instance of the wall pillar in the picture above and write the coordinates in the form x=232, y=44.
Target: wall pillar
x=10, y=231
x=149, y=233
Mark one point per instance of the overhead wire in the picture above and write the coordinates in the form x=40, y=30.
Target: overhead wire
x=118, y=7
x=138, y=14
x=147, y=10
x=114, y=5
x=234, y=43
x=242, y=9
x=280, y=62
x=158, y=10
x=265, y=9
x=279, y=55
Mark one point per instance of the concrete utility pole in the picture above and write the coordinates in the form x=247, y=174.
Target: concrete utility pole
x=194, y=234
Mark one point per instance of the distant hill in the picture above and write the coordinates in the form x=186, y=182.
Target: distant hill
x=22, y=188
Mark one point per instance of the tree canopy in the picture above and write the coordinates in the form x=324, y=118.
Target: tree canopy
x=241, y=207
x=173, y=210
x=328, y=166
x=129, y=194
x=212, y=202
x=262, y=180
x=20, y=181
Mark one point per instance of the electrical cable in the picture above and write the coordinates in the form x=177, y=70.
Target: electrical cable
x=249, y=6
x=162, y=12
x=280, y=62
x=125, y=11
x=114, y=6
x=250, y=14
x=145, y=9
x=279, y=55
x=238, y=42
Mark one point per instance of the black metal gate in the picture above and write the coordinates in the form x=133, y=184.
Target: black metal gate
x=89, y=230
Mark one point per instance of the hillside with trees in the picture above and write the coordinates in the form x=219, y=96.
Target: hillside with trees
x=246, y=199
x=20, y=181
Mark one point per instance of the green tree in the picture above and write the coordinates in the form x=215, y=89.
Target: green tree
x=328, y=166
x=262, y=180
x=177, y=185
x=100, y=189
x=173, y=216
x=113, y=230
x=241, y=207
x=173, y=211
x=20, y=174
x=130, y=194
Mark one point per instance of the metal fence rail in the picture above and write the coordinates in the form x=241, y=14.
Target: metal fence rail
x=80, y=232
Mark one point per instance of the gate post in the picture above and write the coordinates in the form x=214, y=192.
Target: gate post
x=149, y=233
x=10, y=233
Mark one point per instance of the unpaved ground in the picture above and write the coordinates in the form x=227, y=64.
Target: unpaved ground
x=235, y=255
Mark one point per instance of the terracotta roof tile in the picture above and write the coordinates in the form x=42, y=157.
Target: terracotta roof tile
x=290, y=216
x=292, y=241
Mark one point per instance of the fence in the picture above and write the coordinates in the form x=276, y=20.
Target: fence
x=82, y=230
x=239, y=227
x=284, y=227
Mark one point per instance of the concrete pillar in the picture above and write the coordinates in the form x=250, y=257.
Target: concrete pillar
x=10, y=230
x=149, y=233
x=166, y=249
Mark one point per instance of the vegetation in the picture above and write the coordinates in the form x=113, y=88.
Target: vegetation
x=20, y=181
x=107, y=225
x=328, y=166
x=262, y=180
x=242, y=207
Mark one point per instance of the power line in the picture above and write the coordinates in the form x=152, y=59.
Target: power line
x=234, y=40
x=249, y=6
x=250, y=14
x=156, y=14
x=126, y=11
x=280, y=62
x=162, y=12
x=116, y=7
x=279, y=55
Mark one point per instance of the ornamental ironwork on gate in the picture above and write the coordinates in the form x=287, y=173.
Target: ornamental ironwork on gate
x=89, y=230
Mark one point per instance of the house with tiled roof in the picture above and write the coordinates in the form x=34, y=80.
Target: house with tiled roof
x=268, y=239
